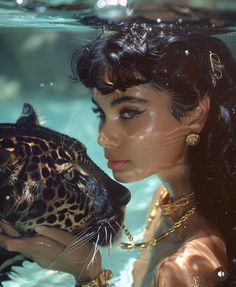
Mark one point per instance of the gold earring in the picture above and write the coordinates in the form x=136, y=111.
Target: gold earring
x=192, y=139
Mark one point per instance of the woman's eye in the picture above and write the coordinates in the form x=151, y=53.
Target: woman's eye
x=129, y=114
x=99, y=112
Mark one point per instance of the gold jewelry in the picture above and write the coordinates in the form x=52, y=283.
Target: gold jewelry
x=192, y=139
x=99, y=281
x=164, y=194
x=173, y=207
x=169, y=208
x=216, y=65
x=154, y=242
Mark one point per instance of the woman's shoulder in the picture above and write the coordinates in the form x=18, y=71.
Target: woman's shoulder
x=195, y=262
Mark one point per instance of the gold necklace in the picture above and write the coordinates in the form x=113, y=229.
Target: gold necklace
x=163, y=196
x=154, y=242
x=166, y=209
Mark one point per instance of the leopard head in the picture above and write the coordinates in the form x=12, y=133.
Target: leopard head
x=47, y=178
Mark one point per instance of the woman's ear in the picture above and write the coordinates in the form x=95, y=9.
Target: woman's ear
x=196, y=118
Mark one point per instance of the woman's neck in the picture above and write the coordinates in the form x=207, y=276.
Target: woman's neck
x=176, y=180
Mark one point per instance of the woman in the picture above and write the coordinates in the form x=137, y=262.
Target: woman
x=166, y=104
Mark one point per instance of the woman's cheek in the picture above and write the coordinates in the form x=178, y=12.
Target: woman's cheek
x=159, y=151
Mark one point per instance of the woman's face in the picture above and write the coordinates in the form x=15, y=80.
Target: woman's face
x=139, y=134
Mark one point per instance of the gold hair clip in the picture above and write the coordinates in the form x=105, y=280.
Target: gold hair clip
x=215, y=65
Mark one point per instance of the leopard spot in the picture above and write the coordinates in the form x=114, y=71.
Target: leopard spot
x=51, y=218
x=48, y=194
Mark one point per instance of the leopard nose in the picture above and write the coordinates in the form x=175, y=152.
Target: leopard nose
x=120, y=197
x=124, y=199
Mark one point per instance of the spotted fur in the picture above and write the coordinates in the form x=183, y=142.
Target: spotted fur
x=47, y=178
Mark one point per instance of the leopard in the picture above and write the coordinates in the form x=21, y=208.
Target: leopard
x=47, y=178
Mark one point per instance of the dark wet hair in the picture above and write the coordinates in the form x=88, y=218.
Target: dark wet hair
x=180, y=63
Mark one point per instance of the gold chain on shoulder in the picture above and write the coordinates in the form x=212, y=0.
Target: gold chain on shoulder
x=154, y=242
x=169, y=208
x=173, y=207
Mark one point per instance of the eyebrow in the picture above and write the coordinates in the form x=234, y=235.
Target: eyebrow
x=129, y=99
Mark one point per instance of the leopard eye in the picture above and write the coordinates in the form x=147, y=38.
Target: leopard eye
x=70, y=174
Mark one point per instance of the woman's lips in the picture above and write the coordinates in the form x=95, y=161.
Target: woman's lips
x=116, y=164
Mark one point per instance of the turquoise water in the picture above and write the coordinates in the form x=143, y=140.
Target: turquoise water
x=35, y=51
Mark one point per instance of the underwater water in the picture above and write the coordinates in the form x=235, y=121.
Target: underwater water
x=37, y=41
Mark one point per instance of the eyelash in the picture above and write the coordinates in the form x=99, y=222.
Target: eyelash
x=132, y=113
x=100, y=113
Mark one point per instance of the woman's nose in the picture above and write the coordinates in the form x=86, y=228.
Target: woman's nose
x=108, y=137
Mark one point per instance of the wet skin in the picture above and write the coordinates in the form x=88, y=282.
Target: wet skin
x=141, y=137
x=138, y=130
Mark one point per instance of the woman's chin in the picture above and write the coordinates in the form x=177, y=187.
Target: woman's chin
x=128, y=176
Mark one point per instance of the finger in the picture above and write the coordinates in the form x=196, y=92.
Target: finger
x=27, y=245
x=2, y=240
x=56, y=234
x=11, y=244
x=8, y=229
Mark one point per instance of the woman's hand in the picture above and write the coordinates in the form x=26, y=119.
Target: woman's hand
x=54, y=249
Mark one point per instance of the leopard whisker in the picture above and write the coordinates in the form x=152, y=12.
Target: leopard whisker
x=67, y=250
x=70, y=120
x=62, y=137
x=108, y=248
x=79, y=243
x=79, y=238
x=80, y=235
x=105, y=232
x=117, y=223
x=111, y=227
x=95, y=250
x=63, y=254
x=110, y=243
x=108, y=252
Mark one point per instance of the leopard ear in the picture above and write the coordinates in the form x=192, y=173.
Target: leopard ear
x=28, y=116
x=6, y=157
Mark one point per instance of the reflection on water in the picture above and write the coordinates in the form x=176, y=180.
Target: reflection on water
x=37, y=40
x=65, y=14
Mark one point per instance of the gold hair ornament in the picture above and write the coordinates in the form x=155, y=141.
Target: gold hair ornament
x=216, y=65
x=192, y=139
